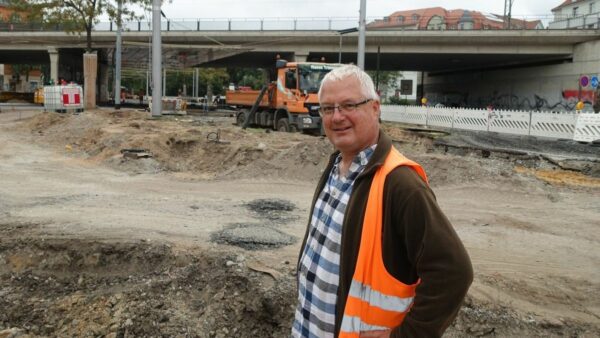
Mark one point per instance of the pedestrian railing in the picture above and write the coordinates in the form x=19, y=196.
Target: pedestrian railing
x=582, y=21
x=563, y=125
x=334, y=24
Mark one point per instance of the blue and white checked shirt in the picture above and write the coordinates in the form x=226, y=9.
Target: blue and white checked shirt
x=318, y=273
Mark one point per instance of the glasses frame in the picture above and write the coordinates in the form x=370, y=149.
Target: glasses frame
x=343, y=108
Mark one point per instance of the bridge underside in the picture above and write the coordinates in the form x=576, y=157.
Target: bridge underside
x=24, y=57
x=430, y=62
x=138, y=58
x=39, y=57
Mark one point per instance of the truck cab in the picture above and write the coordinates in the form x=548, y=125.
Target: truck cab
x=297, y=87
x=289, y=103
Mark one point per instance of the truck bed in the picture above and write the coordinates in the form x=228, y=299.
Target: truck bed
x=245, y=98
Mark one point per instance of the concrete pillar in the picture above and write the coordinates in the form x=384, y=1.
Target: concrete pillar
x=90, y=70
x=53, y=52
x=300, y=56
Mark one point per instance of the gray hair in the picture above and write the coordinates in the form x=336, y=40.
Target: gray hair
x=340, y=73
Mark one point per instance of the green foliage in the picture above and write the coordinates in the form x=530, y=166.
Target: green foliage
x=387, y=79
x=216, y=78
x=251, y=77
x=398, y=101
x=76, y=16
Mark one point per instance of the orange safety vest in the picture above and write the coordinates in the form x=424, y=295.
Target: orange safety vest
x=377, y=300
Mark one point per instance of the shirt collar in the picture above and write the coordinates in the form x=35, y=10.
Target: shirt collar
x=359, y=162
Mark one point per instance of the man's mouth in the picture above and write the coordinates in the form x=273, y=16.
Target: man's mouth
x=339, y=129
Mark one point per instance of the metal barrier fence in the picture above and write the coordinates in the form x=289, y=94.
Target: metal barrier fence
x=571, y=125
x=308, y=24
x=587, y=128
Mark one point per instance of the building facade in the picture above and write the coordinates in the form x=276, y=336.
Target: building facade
x=16, y=78
x=573, y=14
x=403, y=89
x=438, y=18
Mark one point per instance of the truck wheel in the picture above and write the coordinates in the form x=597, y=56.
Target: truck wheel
x=293, y=128
x=283, y=125
x=241, y=119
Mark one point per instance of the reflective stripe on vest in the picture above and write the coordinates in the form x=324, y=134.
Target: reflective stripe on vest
x=377, y=300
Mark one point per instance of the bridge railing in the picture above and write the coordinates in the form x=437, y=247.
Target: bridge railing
x=571, y=22
x=564, y=125
x=325, y=24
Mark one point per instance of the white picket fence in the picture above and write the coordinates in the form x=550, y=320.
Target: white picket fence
x=571, y=125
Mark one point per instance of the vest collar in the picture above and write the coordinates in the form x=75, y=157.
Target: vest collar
x=384, y=144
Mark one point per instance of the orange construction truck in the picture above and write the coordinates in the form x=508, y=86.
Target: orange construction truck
x=289, y=103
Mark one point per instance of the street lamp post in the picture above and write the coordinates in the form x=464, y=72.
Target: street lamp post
x=156, y=60
x=343, y=32
x=118, y=58
x=361, y=34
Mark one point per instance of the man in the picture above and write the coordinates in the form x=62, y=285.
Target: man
x=379, y=258
x=579, y=106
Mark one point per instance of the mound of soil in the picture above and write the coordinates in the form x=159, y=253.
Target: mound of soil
x=183, y=144
x=81, y=288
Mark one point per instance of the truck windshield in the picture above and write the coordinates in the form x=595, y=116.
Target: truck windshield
x=311, y=76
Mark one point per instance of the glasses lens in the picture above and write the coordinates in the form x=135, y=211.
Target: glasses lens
x=347, y=107
x=327, y=110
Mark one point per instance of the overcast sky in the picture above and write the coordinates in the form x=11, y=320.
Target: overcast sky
x=179, y=9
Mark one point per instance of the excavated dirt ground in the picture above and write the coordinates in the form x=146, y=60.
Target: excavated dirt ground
x=199, y=237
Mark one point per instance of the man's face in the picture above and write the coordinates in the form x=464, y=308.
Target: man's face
x=349, y=131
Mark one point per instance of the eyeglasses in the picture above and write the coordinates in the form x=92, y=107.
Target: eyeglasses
x=342, y=108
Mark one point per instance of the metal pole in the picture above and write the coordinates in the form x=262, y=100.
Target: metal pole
x=156, y=59
x=340, y=53
x=377, y=73
x=164, y=82
x=147, y=82
x=507, y=13
x=118, y=58
x=361, y=34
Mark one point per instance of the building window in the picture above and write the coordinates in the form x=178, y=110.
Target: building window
x=575, y=9
x=386, y=19
x=592, y=9
x=435, y=23
x=415, y=17
x=466, y=25
x=406, y=87
x=400, y=19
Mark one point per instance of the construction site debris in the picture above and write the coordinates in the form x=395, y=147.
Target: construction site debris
x=252, y=236
x=136, y=153
x=199, y=244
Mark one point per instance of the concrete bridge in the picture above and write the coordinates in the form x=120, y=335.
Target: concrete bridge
x=455, y=62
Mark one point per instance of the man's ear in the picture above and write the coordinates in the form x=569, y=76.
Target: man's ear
x=376, y=107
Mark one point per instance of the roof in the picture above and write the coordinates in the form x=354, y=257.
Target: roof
x=566, y=3
x=419, y=19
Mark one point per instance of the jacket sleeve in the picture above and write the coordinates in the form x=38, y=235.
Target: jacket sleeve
x=438, y=259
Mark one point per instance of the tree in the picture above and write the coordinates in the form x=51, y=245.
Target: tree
x=250, y=77
x=215, y=79
x=388, y=80
x=77, y=16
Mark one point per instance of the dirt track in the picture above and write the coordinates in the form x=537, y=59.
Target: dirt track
x=98, y=245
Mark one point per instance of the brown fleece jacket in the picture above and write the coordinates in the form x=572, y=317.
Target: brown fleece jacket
x=418, y=242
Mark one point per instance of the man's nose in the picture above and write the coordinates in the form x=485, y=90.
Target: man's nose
x=337, y=113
